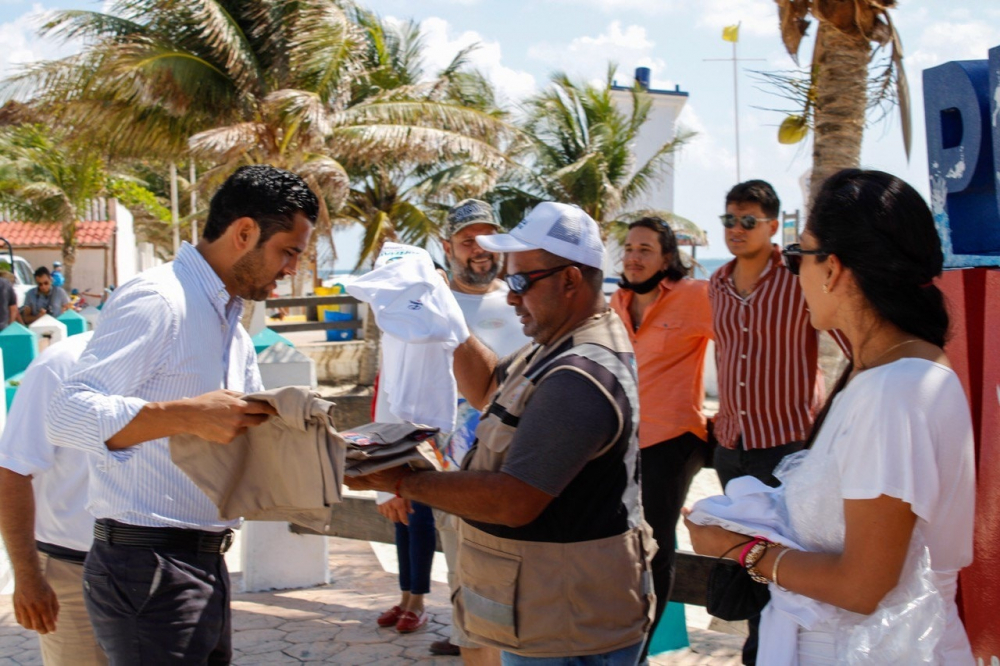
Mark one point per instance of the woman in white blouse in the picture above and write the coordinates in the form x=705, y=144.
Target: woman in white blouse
x=882, y=504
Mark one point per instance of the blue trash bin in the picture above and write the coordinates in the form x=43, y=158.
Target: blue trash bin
x=338, y=334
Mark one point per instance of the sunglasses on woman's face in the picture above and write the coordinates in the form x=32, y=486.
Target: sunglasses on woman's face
x=792, y=257
x=746, y=221
x=520, y=283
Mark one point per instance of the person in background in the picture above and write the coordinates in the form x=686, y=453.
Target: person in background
x=766, y=350
x=891, y=470
x=669, y=321
x=43, y=517
x=58, y=279
x=483, y=300
x=44, y=298
x=8, y=303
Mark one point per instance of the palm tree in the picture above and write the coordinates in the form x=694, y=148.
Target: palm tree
x=46, y=179
x=840, y=86
x=302, y=84
x=581, y=152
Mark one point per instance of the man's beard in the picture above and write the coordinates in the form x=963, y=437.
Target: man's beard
x=246, y=274
x=470, y=276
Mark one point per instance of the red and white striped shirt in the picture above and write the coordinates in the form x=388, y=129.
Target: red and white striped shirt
x=767, y=354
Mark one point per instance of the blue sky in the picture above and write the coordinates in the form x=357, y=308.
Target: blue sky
x=522, y=42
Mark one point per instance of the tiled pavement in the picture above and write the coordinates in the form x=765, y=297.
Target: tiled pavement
x=336, y=623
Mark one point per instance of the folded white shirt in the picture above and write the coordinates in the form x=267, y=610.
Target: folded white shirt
x=753, y=508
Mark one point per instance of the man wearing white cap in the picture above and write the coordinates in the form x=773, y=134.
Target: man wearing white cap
x=555, y=556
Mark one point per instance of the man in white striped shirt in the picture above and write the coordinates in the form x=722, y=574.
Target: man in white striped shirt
x=170, y=357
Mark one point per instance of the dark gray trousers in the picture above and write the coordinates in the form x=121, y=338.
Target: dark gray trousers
x=158, y=606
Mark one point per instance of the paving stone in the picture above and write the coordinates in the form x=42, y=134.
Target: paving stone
x=306, y=625
x=323, y=651
x=247, y=639
x=13, y=640
x=368, y=654
x=267, y=658
x=245, y=620
x=312, y=635
x=265, y=647
x=29, y=659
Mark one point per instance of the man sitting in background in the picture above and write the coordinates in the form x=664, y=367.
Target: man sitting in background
x=45, y=298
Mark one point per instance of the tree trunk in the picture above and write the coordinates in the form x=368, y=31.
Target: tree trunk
x=841, y=100
x=68, y=233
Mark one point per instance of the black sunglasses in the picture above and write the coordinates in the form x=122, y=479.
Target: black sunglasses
x=520, y=283
x=746, y=221
x=792, y=257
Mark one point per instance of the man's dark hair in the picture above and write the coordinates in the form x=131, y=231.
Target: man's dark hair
x=269, y=195
x=42, y=271
x=758, y=192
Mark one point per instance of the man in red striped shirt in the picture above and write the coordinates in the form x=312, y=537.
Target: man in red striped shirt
x=766, y=351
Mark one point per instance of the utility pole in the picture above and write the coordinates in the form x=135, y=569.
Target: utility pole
x=194, y=204
x=174, y=215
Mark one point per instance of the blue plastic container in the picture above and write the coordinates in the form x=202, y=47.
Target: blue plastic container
x=338, y=334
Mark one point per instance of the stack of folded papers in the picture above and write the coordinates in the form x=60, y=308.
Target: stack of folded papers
x=377, y=446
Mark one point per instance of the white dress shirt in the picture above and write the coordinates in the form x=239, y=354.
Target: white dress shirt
x=171, y=332
x=60, y=474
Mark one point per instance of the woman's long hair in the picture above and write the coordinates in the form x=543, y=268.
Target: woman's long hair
x=881, y=228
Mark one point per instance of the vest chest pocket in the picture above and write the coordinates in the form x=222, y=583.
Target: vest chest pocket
x=489, y=592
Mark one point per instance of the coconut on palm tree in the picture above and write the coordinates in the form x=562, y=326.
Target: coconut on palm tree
x=845, y=78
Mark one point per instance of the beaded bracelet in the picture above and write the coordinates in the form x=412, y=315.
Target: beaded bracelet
x=754, y=556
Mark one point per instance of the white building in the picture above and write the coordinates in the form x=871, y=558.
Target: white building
x=658, y=130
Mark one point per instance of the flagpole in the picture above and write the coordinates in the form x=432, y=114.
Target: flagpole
x=731, y=33
x=736, y=107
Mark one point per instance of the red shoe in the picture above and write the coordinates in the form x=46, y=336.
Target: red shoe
x=390, y=617
x=410, y=621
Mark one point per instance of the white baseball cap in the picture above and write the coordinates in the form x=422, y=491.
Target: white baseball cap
x=563, y=230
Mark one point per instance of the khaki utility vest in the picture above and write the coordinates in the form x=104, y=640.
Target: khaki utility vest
x=543, y=599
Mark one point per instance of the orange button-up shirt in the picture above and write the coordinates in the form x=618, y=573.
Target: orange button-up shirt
x=670, y=348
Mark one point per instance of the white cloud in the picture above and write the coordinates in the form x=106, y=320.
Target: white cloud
x=646, y=7
x=441, y=47
x=628, y=47
x=756, y=17
x=944, y=41
x=22, y=45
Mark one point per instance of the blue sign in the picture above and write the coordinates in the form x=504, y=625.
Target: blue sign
x=961, y=112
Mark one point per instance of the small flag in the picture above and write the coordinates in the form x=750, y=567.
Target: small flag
x=731, y=33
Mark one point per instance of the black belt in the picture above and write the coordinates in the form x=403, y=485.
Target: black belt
x=200, y=541
x=61, y=553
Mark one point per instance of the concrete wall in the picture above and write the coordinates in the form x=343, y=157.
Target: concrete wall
x=92, y=271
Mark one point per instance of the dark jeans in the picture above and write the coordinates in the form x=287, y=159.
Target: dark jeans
x=759, y=463
x=415, y=545
x=667, y=468
x=158, y=605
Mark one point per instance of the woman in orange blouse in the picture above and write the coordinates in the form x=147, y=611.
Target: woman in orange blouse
x=669, y=321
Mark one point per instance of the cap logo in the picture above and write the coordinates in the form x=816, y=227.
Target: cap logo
x=565, y=232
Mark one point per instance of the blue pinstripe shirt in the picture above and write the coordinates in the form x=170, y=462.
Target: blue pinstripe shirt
x=172, y=332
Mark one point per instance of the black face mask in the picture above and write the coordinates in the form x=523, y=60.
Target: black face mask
x=645, y=286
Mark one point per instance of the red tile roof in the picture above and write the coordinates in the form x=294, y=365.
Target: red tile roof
x=45, y=234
